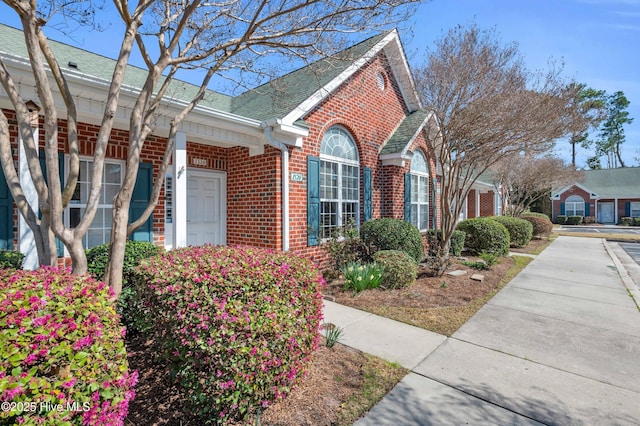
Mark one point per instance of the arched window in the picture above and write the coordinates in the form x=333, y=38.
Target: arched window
x=339, y=182
x=419, y=191
x=574, y=206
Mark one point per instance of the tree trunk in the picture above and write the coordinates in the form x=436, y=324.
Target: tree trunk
x=113, y=273
x=78, y=258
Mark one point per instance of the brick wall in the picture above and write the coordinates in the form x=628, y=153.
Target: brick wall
x=574, y=190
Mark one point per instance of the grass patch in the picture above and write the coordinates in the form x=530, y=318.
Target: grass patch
x=447, y=320
x=380, y=377
x=605, y=235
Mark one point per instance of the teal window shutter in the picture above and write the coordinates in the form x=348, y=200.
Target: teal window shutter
x=368, y=205
x=6, y=214
x=407, y=197
x=313, y=200
x=627, y=209
x=587, y=209
x=562, y=210
x=43, y=166
x=434, y=204
x=139, y=201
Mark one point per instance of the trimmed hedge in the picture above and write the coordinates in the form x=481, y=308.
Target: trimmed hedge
x=61, y=343
x=392, y=234
x=399, y=269
x=561, y=219
x=535, y=214
x=574, y=220
x=133, y=315
x=236, y=325
x=542, y=226
x=11, y=259
x=626, y=221
x=485, y=235
x=457, y=241
x=520, y=230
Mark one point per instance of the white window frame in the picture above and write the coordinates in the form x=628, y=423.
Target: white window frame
x=571, y=205
x=341, y=165
x=419, y=186
x=634, y=208
x=101, y=205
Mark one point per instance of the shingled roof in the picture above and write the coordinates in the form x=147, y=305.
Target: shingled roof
x=406, y=132
x=281, y=95
x=613, y=183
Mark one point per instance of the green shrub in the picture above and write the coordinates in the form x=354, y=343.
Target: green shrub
x=626, y=221
x=489, y=258
x=456, y=245
x=574, y=220
x=588, y=220
x=535, y=214
x=485, y=235
x=10, y=259
x=344, y=248
x=392, y=234
x=133, y=315
x=542, y=226
x=236, y=325
x=520, y=230
x=399, y=269
x=561, y=219
x=61, y=343
x=362, y=277
x=636, y=221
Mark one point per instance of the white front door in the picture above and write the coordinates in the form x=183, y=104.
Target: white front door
x=206, y=208
x=605, y=213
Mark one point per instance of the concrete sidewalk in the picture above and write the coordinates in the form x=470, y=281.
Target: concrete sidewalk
x=559, y=345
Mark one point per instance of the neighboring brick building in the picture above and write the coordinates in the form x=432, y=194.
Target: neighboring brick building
x=606, y=195
x=282, y=166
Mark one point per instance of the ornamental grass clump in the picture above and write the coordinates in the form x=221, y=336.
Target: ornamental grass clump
x=236, y=325
x=359, y=277
x=62, y=355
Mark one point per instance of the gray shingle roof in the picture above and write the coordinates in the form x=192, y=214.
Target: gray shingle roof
x=620, y=183
x=282, y=95
x=405, y=132
x=101, y=67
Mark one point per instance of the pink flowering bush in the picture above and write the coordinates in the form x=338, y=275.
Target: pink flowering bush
x=62, y=356
x=236, y=325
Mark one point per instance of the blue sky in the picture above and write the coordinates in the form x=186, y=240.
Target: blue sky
x=598, y=41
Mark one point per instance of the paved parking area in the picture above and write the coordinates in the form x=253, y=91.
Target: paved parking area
x=624, y=230
x=633, y=250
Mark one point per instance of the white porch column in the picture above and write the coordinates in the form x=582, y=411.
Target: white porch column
x=26, y=241
x=180, y=191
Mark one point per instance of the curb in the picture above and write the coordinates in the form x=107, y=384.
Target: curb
x=624, y=275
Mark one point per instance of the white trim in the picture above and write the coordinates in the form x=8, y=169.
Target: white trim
x=413, y=103
x=592, y=195
x=26, y=241
x=180, y=191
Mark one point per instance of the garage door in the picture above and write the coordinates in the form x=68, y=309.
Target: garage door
x=206, y=208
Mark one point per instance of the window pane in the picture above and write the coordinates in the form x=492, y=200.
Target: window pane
x=414, y=189
x=338, y=143
x=94, y=237
x=349, y=183
x=418, y=163
x=635, y=209
x=349, y=211
x=112, y=173
x=424, y=190
x=328, y=180
x=74, y=216
x=414, y=214
x=424, y=217
x=109, y=192
x=328, y=218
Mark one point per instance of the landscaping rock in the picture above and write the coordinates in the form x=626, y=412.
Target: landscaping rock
x=477, y=277
x=457, y=273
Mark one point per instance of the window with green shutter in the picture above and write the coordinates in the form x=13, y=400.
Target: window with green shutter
x=368, y=193
x=313, y=200
x=6, y=214
x=139, y=202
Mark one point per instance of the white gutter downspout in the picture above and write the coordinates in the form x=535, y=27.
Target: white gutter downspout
x=284, y=151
